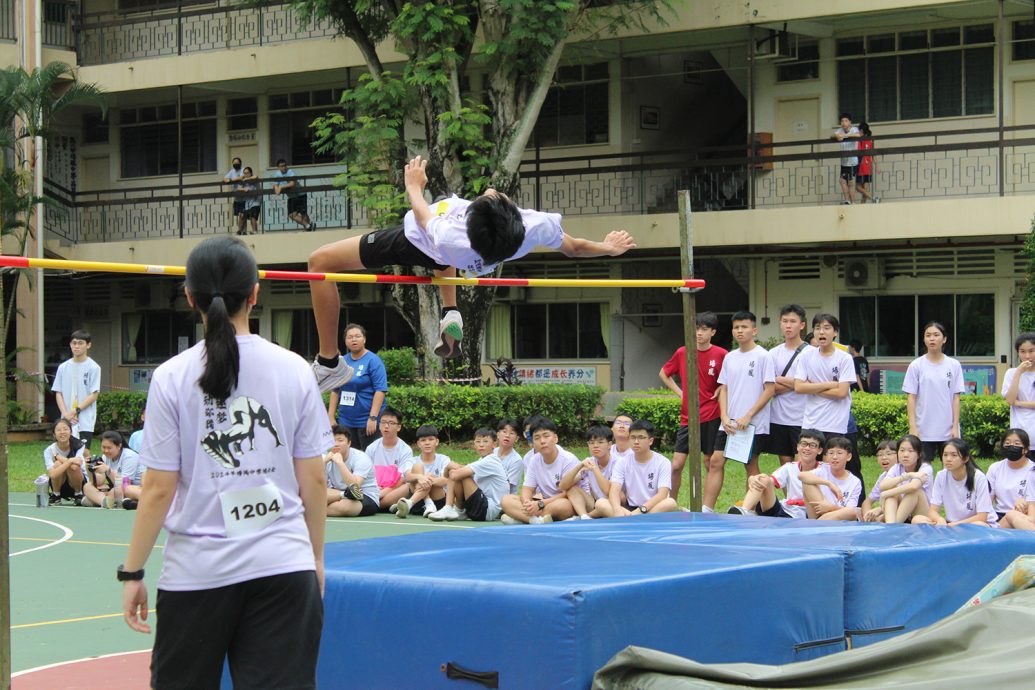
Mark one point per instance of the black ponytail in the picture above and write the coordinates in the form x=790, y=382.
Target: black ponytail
x=221, y=274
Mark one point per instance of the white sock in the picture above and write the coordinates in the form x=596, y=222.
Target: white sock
x=706, y=509
x=429, y=504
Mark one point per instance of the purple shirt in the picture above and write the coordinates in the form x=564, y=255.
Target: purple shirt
x=589, y=481
x=823, y=413
x=641, y=481
x=925, y=469
x=959, y=503
x=787, y=409
x=850, y=486
x=934, y=386
x=1009, y=484
x=1021, y=417
x=546, y=477
x=745, y=374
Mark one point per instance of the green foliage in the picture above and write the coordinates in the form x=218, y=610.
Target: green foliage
x=1027, y=306
x=878, y=417
x=120, y=410
x=458, y=410
x=663, y=413
x=984, y=418
x=769, y=343
x=400, y=365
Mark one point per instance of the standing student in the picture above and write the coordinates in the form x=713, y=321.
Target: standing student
x=709, y=363
x=1010, y=476
x=77, y=384
x=252, y=202
x=747, y=382
x=352, y=489
x=872, y=510
x=232, y=176
x=866, y=168
x=297, y=200
x=358, y=404
x=787, y=410
x=933, y=384
x=906, y=490
x=391, y=457
x=589, y=484
x=644, y=479
x=507, y=433
x=761, y=495
x=474, y=491
x=862, y=366
x=831, y=491
x=1019, y=385
x=847, y=135
x=245, y=522
x=962, y=489
x=541, y=499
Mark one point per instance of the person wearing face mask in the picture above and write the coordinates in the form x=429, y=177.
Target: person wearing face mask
x=1010, y=476
x=234, y=174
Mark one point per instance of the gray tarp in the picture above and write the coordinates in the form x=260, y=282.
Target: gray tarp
x=989, y=646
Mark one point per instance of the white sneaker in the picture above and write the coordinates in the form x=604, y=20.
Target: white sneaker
x=331, y=378
x=540, y=520
x=402, y=507
x=706, y=509
x=447, y=512
x=573, y=518
x=507, y=520
x=451, y=332
x=462, y=514
x=587, y=516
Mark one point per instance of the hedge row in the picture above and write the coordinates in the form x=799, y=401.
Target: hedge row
x=983, y=417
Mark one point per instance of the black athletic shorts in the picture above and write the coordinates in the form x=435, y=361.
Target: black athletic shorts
x=268, y=627
x=477, y=506
x=933, y=450
x=391, y=248
x=776, y=510
x=370, y=507
x=761, y=442
x=707, y=431
x=848, y=171
x=863, y=179
x=783, y=439
x=298, y=204
x=238, y=208
x=252, y=212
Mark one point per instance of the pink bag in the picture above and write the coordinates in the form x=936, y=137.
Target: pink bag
x=387, y=475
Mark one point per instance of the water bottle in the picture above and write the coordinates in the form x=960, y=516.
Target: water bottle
x=42, y=491
x=125, y=482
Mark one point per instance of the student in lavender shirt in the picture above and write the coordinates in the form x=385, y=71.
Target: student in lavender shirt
x=541, y=499
x=906, y=489
x=474, y=491
x=589, y=484
x=1009, y=477
x=507, y=433
x=831, y=491
x=245, y=521
x=1019, y=385
x=747, y=383
x=933, y=384
x=352, y=489
x=961, y=489
x=425, y=476
x=645, y=479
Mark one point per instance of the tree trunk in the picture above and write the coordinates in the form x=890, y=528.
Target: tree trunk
x=475, y=304
x=420, y=307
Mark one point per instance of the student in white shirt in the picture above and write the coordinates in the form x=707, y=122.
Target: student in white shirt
x=541, y=499
x=761, y=495
x=425, y=476
x=933, y=384
x=961, y=488
x=1019, y=385
x=887, y=456
x=475, y=491
x=1009, y=477
x=645, y=479
x=831, y=491
x=787, y=410
x=1023, y=514
x=589, y=484
x=906, y=490
x=391, y=457
x=507, y=433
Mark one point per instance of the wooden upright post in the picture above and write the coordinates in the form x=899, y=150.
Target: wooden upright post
x=693, y=412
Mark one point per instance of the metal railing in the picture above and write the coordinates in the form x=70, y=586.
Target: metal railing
x=8, y=30
x=114, y=36
x=58, y=22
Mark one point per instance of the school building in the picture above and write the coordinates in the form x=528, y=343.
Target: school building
x=734, y=101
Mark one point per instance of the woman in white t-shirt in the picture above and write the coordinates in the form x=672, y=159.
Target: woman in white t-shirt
x=906, y=490
x=961, y=489
x=234, y=435
x=1009, y=477
x=933, y=385
x=1019, y=385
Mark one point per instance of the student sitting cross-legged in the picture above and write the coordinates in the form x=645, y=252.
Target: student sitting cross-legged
x=589, y=484
x=542, y=499
x=887, y=456
x=474, y=491
x=645, y=478
x=507, y=433
x=761, y=495
x=831, y=491
x=962, y=489
x=352, y=490
x=425, y=476
x=391, y=456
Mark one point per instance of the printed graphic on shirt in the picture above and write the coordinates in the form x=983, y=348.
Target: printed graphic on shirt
x=246, y=416
x=712, y=363
x=751, y=368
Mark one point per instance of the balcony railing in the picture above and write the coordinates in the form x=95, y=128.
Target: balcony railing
x=908, y=167
x=171, y=29
x=7, y=20
x=58, y=22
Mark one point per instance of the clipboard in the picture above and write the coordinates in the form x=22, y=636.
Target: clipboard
x=738, y=446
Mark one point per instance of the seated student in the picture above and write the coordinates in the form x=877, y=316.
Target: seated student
x=761, y=494
x=136, y=439
x=65, y=465
x=352, y=490
x=117, y=461
x=961, y=488
x=1023, y=514
x=391, y=456
x=589, y=484
x=645, y=479
x=887, y=455
x=1010, y=476
x=424, y=476
x=474, y=491
x=906, y=490
x=621, y=449
x=541, y=499
x=831, y=491
x=507, y=432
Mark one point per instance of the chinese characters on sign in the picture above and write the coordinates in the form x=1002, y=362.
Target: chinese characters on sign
x=585, y=375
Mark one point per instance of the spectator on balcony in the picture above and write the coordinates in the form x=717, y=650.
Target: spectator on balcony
x=297, y=204
x=232, y=177
x=866, y=169
x=849, y=162
x=252, y=202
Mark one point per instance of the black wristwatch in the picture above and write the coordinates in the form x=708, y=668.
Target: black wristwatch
x=643, y=509
x=372, y=418
x=542, y=505
x=128, y=575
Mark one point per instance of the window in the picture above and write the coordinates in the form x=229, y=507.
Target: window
x=917, y=75
x=295, y=329
x=95, y=129
x=889, y=325
x=805, y=67
x=1022, y=47
x=148, y=139
x=291, y=137
x=576, y=109
x=549, y=331
x=243, y=114
x=151, y=337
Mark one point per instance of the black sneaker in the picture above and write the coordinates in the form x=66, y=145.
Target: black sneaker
x=129, y=504
x=54, y=499
x=78, y=499
x=354, y=491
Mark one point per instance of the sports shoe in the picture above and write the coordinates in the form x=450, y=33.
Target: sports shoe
x=447, y=512
x=846, y=203
x=54, y=500
x=737, y=510
x=129, y=504
x=330, y=378
x=78, y=498
x=354, y=492
x=573, y=518
x=875, y=199
x=429, y=510
x=507, y=520
x=451, y=332
x=587, y=516
x=402, y=507
x=462, y=514
x=108, y=502
x=540, y=520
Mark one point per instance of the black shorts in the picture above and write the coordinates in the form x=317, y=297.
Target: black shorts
x=761, y=442
x=776, y=510
x=268, y=627
x=252, y=212
x=66, y=490
x=86, y=438
x=933, y=450
x=370, y=507
x=783, y=439
x=391, y=248
x=848, y=171
x=1000, y=515
x=863, y=179
x=707, y=431
x=477, y=506
x=238, y=208
x=298, y=204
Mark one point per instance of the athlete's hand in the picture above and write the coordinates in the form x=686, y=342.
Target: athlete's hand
x=1026, y=366
x=619, y=242
x=415, y=172
x=134, y=605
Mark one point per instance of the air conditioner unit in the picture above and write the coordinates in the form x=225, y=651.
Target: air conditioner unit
x=511, y=293
x=776, y=45
x=863, y=274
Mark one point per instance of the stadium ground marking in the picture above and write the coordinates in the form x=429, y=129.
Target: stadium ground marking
x=51, y=542
x=77, y=661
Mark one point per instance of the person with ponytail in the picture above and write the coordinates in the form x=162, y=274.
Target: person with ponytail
x=234, y=436
x=961, y=488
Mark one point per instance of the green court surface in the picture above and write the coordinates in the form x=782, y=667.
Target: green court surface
x=65, y=602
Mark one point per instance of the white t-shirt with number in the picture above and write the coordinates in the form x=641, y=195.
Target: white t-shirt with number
x=1008, y=484
x=237, y=514
x=960, y=504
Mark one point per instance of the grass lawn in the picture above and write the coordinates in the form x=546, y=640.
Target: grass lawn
x=26, y=463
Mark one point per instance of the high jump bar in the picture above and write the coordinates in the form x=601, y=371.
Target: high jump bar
x=264, y=274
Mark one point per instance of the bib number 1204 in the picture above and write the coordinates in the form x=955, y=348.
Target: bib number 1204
x=251, y=510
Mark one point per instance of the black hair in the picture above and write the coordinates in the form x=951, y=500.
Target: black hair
x=357, y=327
x=247, y=168
x=494, y=227
x=512, y=423
x=827, y=318
x=339, y=430
x=281, y=160
x=845, y=115
x=708, y=319
x=485, y=431
x=888, y=444
x=793, y=309
x=813, y=433
x=221, y=274
x=531, y=420
x=1019, y=433
x=543, y=424
x=600, y=431
x=964, y=450
x=864, y=127
x=391, y=412
x=1025, y=337
x=744, y=315
x=642, y=425
x=80, y=334
x=114, y=437
x=809, y=336
x=855, y=344
x=235, y=158
x=918, y=447
x=427, y=430
x=838, y=442
x=74, y=444
x=935, y=324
